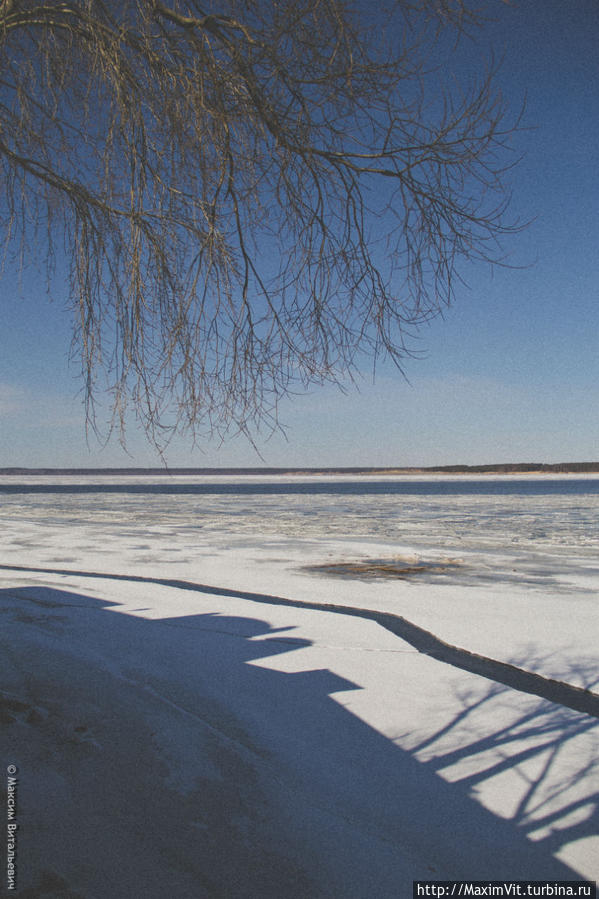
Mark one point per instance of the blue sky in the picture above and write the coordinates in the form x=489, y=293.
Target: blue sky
x=511, y=373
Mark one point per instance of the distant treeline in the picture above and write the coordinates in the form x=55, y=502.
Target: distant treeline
x=503, y=468
x=519, y=467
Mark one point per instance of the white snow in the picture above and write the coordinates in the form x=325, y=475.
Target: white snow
x=180, y=730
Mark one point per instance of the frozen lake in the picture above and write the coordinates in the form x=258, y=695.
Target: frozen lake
x=434, y=548
x=248, y=654
x=536, y=511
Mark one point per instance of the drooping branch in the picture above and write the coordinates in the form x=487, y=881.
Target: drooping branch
x=251, y=196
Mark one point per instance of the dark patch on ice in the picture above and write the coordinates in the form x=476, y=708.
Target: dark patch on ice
x=368, y=569
x=535, y=574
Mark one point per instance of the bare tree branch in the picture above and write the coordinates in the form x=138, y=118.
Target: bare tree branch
x=251, y=196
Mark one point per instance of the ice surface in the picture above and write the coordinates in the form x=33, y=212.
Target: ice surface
x=265, y=748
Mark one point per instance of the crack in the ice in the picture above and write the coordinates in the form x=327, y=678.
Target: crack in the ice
x=576, y=698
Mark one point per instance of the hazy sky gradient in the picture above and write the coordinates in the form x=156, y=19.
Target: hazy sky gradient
x=510, y=374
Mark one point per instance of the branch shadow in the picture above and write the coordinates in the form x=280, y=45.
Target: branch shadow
x=162, y=757
x=555, y=802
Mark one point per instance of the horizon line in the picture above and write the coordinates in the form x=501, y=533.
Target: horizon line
x=497, y=468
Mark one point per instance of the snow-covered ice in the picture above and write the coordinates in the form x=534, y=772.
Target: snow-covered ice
x=197, y=709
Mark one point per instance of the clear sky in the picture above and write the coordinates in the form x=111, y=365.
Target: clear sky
x=510, y=374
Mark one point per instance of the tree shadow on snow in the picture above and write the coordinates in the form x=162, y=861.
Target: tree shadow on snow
x=156, y=758
x=557, y=801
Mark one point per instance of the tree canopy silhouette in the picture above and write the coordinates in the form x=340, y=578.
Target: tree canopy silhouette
x=250, y=194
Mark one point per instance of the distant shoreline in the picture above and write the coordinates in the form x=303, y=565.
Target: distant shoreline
x=531, y=468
